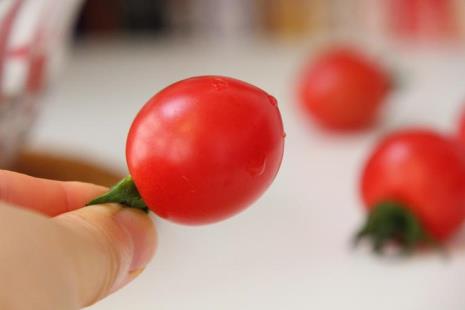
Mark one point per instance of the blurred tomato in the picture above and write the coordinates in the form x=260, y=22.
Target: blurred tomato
x=414, y=188
x=461, y=127
x=343, y=89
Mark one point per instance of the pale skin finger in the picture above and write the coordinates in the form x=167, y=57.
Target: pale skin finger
x=110, y=247
x=48, y=197
x=72, y=260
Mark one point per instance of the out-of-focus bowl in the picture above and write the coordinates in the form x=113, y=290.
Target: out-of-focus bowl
x=33, y=41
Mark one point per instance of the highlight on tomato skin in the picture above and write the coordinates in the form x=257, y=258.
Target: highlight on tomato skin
x=205, y=148
x=413, y=187
x=343, y=89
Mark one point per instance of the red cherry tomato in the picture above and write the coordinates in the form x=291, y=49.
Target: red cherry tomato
x=421, y=175
x=342, y=89
x=205, y=148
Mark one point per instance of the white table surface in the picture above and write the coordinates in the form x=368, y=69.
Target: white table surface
x=291, y=249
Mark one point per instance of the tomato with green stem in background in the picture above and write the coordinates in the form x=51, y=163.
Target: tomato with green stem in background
x=343, y=89
x=413, y=187
x=201, y=150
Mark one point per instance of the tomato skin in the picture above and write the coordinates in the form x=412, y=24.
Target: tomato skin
x=343, y=90
x=204, y=148
x=424, y=172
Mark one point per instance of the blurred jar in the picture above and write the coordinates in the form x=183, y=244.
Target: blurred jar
x=295, y=18
x=33, y=36
x=216, y=19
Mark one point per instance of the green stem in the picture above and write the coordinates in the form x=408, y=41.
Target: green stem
x=124, y=192
x=391, y=222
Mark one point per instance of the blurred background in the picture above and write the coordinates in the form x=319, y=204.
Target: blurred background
x=439, y=20
x=188, y=37
x=73, y=75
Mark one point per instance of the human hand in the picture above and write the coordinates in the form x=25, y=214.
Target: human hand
x=55, y=254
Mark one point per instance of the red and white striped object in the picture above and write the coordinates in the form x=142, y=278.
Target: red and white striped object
x=33, y=36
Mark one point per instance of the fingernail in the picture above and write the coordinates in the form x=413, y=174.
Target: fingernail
x=142, y=233
x=135, y=273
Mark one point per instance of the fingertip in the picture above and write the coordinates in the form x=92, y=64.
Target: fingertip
x=112, y=246
x=143, y=235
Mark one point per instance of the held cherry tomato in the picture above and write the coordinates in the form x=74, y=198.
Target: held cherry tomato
x=343, y=90
x=205, y=148
x=413, y=185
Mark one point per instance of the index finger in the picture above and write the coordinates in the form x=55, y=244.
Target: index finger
x=48, y=197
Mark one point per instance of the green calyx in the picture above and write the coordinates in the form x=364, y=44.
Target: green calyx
x=390, y=222
x=125, y=193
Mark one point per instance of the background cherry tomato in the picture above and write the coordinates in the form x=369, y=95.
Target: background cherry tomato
x=343, y=89
x=461, y=128
x=424, y=172
x=204, y=148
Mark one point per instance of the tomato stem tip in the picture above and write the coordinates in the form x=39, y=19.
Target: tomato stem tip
x=125, y=193
x=390, y=222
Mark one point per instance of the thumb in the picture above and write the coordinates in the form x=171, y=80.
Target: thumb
x=108, y=247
